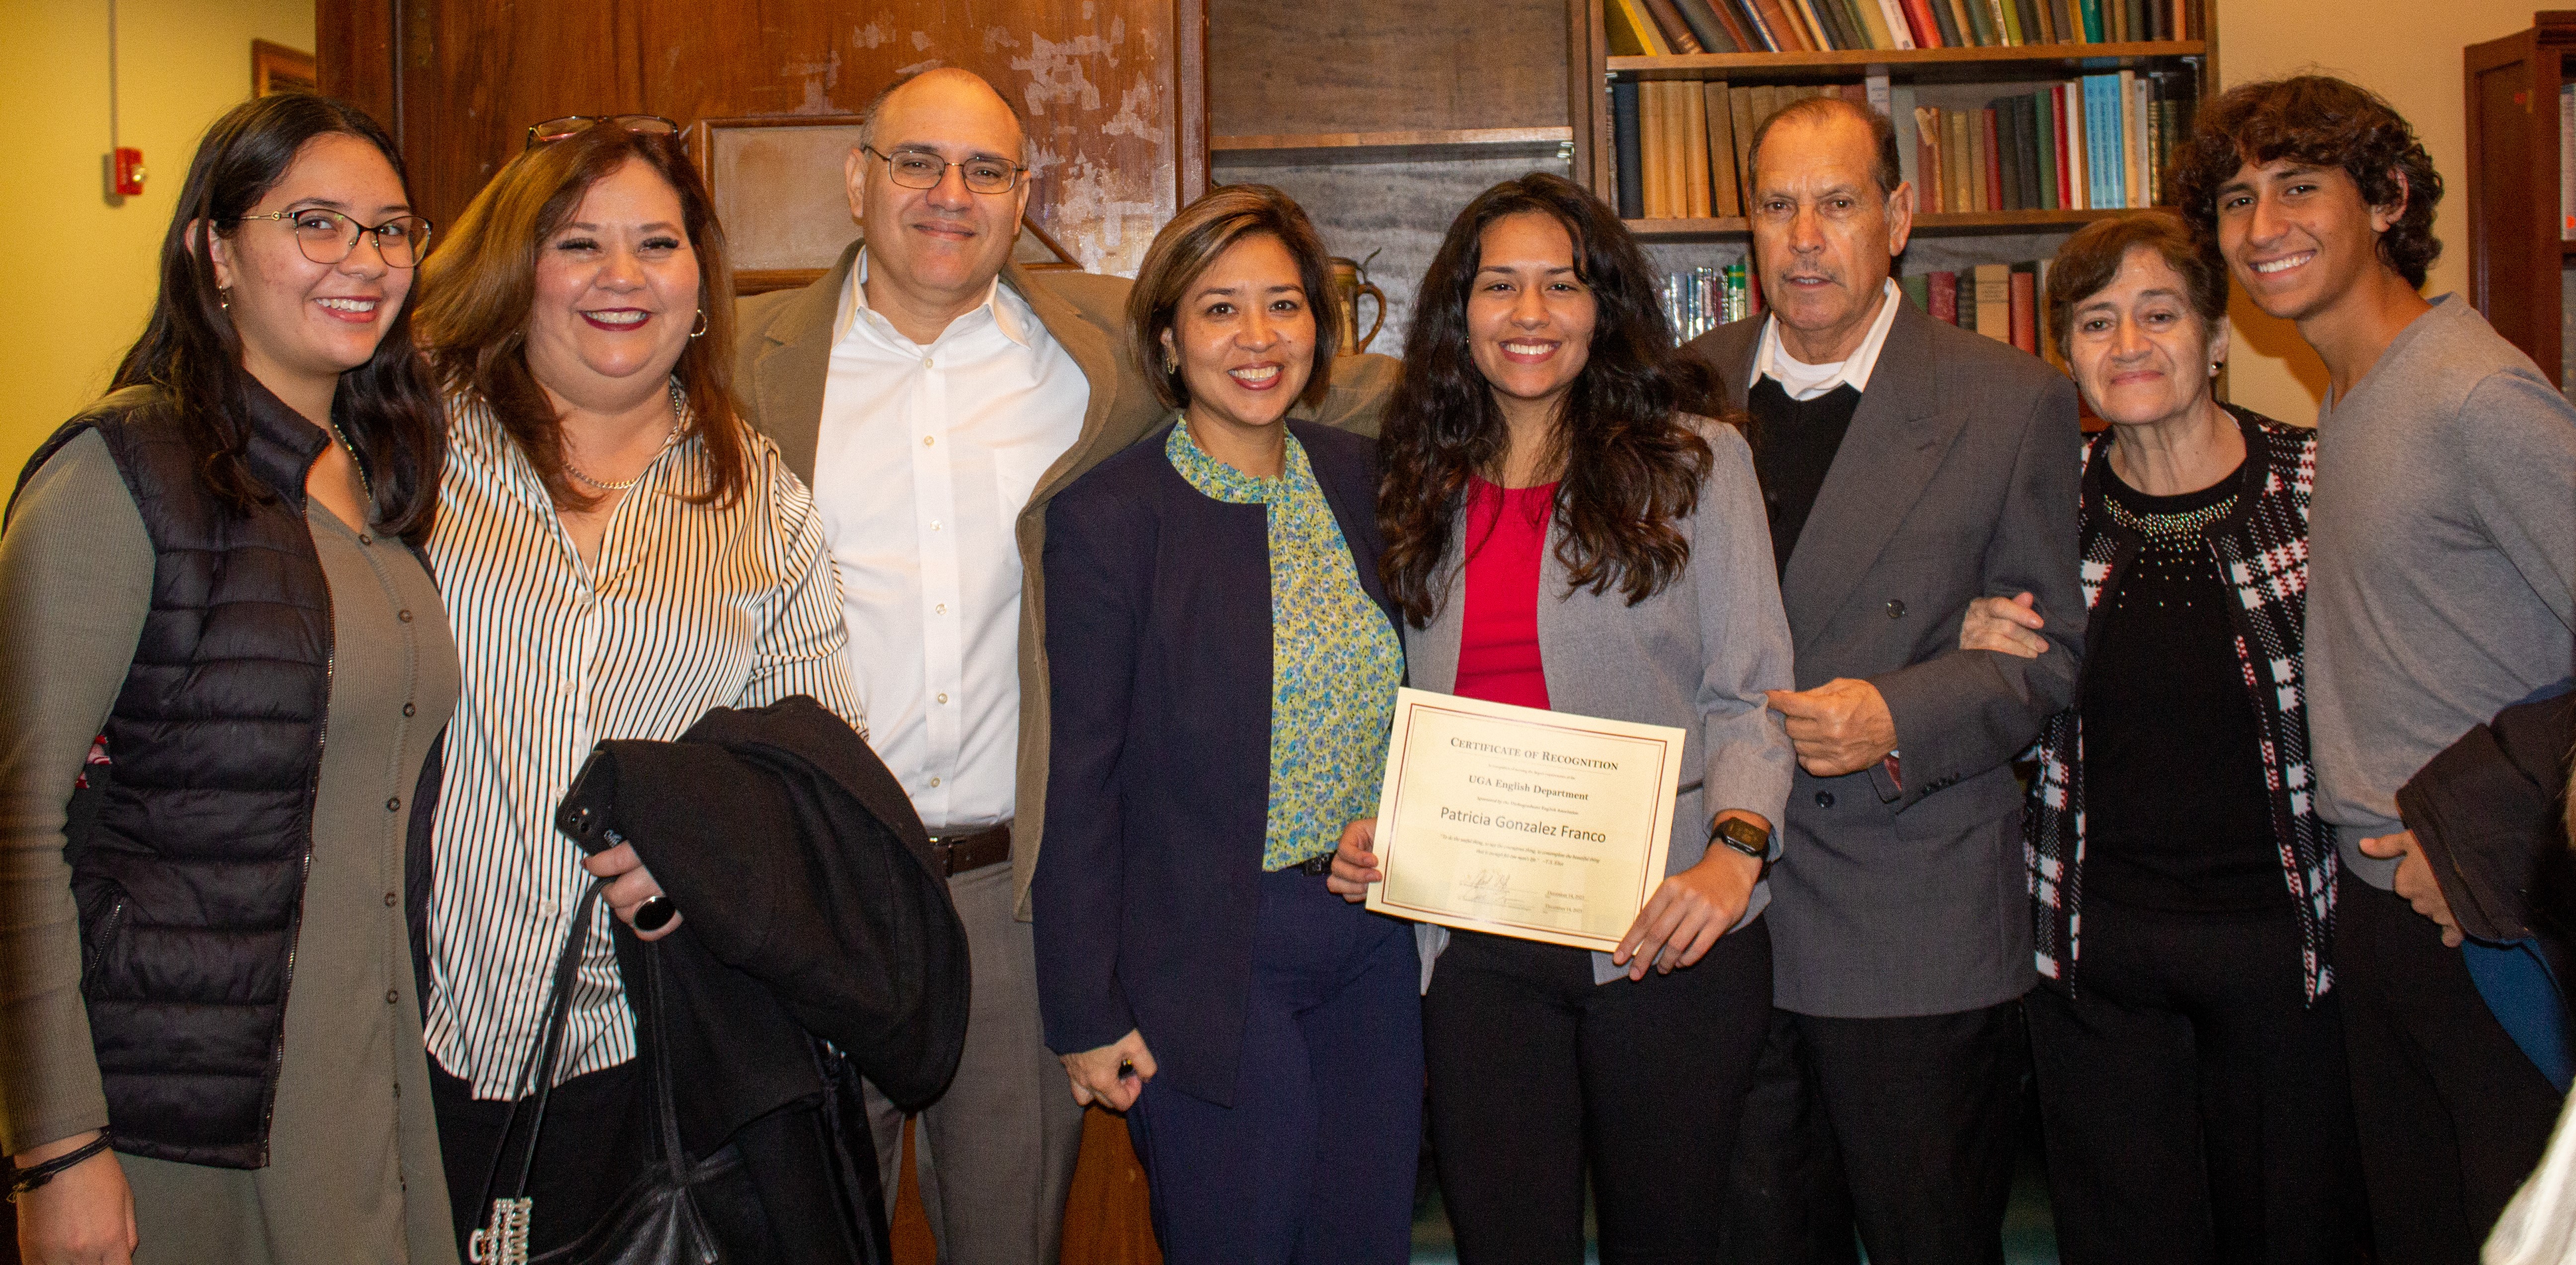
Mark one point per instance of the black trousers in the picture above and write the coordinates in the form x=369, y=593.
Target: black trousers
x=2196, y=1108
x=1902, y=1127
x=1537, y=1072
x=2452, y=1114
x=592, y=1148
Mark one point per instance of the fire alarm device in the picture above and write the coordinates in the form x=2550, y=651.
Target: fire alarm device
x=128, y=167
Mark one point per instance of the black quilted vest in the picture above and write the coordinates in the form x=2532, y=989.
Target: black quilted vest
x=189, y=854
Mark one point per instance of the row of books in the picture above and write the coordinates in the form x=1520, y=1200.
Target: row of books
x=1682, y=145
x=1703, y=298
x=2095, y=143
x=2000, y=301
x=1663, y=28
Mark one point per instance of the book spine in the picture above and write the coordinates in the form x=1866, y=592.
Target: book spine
x=1945, y=23
x=1918, y=291
x=1739, y=114
x=2092, y=14
x=1776, y=24
x=2024, y=307
x=1753, y=17
x=1726, y=195
x=1650, y=148
x=1873, y=17
x=1990, y=150
x=1630, y=168
x=2133, y=181
x=2079, y=164
x=2031, y=31
x=1943, y=301
x=1695, y=174
x=1994, y=301
x=1676, y=32
x=2043, y=113
x=2033, y=163
x=1918, y=17
x=1899, y=27
x=2007, y=19
x=1980, y=21
x=2567, y=162
x=1927, y=159
x=1909, y=139
x=1954, y=162
x=2045, y=14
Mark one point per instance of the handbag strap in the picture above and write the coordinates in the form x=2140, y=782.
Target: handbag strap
x=536, y=1077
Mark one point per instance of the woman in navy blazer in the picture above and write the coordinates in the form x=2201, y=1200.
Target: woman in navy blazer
x=1224, y=664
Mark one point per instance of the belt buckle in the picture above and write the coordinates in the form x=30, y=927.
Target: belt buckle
x=1318, y=866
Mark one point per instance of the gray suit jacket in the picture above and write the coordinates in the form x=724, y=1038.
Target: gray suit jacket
x=1696, y=656
x=1957, y=480
x=784, y=351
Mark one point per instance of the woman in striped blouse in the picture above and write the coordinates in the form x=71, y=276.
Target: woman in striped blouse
x=619, y=554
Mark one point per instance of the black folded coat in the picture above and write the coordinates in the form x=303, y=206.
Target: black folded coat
x=810, y=906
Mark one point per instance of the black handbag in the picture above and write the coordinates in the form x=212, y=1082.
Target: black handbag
x=656, y=1221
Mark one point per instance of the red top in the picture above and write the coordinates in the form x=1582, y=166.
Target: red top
x=1498, y=658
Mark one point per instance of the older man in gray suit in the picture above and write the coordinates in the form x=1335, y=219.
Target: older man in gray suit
x=1909, y=467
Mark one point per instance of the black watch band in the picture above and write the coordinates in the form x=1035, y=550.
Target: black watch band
x=1745, y=837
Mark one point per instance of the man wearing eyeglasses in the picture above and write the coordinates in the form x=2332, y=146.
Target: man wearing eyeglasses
x=936, y=395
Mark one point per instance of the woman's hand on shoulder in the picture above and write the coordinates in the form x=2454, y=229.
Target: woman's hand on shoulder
x=1112, y=1075
x=2009, y=625
x=1355, y=862
x=1690, y=910
x=84, y=1216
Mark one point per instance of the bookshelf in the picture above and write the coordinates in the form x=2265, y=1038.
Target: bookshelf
x=1962, y=80
x=2519, y=251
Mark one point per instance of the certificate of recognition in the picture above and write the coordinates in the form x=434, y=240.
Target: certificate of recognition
x=1523, y=822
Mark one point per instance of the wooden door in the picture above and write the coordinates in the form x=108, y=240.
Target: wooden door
x=1113, y=90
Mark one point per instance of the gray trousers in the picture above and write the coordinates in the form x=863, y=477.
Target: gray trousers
x=995, y=1154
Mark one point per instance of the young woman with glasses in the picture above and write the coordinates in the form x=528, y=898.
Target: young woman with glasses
x=225, y=668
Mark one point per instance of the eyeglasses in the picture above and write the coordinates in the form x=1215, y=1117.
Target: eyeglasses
x=914, y=169
x=327, y=237
x=553, y=130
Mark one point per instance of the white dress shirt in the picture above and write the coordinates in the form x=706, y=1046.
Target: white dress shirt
x=923, y=461
x=1804, y=381
x=686, y=607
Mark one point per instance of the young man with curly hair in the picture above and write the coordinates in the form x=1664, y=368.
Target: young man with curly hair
x=2443, y=555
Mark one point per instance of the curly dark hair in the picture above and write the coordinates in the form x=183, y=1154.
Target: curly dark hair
x=1632, y=465
x=190, y=349
x=2319, y=121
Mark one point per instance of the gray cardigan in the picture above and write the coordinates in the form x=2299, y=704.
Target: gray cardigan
x=1697, y=656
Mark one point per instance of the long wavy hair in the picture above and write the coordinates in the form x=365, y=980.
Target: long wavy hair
x=191, y=353
x=478, y=291
x=1631, y=464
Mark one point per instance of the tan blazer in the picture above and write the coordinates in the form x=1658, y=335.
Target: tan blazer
x=785, y=350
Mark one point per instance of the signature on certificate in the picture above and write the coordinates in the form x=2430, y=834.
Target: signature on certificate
x=1484, y=887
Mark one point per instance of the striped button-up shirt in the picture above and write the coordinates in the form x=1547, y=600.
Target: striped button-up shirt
x=688, y=607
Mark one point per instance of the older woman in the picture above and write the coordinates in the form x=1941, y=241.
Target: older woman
x=620, y=555
x=1225, y=667
x=226, y=668
x=2191, y=1073
x=1563, y=533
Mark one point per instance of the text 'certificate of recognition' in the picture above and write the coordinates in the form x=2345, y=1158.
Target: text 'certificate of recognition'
x=1523, y=822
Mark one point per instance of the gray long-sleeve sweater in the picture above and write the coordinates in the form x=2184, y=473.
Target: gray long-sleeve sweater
x=2442, y=558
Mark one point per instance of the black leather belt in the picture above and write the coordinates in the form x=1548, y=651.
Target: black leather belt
x=954, y=853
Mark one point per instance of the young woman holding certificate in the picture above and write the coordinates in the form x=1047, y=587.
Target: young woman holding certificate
x=1562, y=532
x=1224, y=664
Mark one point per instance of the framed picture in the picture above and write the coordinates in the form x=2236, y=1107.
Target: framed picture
x=275, y=68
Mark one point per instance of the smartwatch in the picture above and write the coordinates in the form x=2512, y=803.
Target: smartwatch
x=1747, y=838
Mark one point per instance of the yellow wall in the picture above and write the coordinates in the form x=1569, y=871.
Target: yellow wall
x=80, y=273
x=2409, y=52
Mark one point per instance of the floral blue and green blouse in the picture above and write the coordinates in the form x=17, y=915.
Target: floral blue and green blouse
x=1335, y=661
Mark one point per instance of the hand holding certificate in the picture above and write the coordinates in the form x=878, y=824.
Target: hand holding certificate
x=1523, y=822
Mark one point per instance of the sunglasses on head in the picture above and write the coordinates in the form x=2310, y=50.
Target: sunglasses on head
x=553, y=130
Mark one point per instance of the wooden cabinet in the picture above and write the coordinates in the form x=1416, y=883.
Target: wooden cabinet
x=2519, y=246
x=1112, y=89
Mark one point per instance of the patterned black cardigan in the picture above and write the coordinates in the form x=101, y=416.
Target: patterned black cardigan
x=2262, y=553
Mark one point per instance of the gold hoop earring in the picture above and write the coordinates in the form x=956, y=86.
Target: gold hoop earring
x=1171, y=363
x=702, y=324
